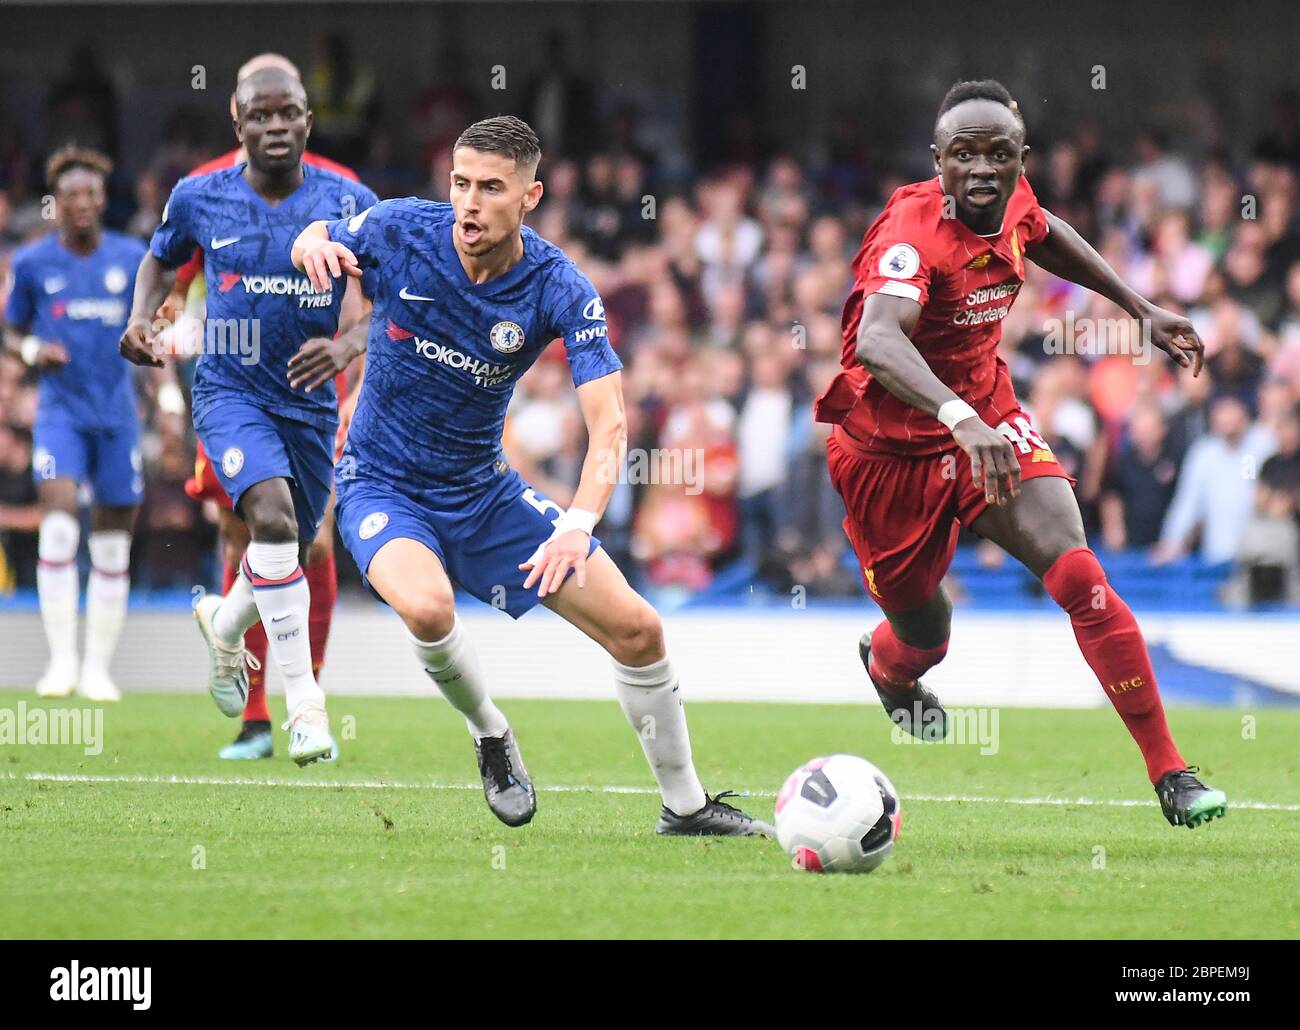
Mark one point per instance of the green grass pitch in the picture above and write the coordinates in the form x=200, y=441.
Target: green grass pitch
x=109, y=845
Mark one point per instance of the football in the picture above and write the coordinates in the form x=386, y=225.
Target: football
x=838, y=815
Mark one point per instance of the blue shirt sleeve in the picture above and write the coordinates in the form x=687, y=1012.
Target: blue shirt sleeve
x=363, y=233
x=21, y=306
x=577, y=315
x=360, y=234
x=174, y=240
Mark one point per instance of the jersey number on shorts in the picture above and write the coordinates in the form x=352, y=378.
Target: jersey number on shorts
x=1026, y=439
x=543, y=505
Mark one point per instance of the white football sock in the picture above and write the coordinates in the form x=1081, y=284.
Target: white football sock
x=106, y=594
x=651, y=700
x=57, y=585
x=284, y=599
x=238, y=610
x=452, y=664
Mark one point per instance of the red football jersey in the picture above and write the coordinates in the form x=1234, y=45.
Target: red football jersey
x=965, y=284
x=189, y=271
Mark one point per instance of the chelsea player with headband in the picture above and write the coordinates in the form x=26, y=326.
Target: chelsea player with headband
x=465, y=300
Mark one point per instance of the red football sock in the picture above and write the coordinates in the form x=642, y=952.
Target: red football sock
x=322, y=581
x=1112, y=644
x=255, y=709
x=895, y=664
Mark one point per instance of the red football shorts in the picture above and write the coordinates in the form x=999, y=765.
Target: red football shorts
x=204, y=484
x=904, y=513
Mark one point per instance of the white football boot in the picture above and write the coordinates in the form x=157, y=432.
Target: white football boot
x=309, y=735
x=227, y=666
x=96, y=684
x=59, y=680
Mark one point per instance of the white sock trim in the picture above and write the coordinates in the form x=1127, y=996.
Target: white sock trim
x=57, y=540
x=272, y=561
x=455, y=627
x=110, y=551
x=656, y=674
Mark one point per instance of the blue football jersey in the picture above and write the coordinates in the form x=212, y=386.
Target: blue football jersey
x=82, y=302
x=444, y=354
x=260, y=309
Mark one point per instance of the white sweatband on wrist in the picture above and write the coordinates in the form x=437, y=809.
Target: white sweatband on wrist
x=954, y=411
x=30, y=349
x=576, y=518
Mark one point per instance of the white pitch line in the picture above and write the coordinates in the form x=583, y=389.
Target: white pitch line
x=233, y=781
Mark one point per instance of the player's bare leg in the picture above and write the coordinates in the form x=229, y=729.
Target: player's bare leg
x=57, y=584
x=255, y=739
x=106, y=596
x=1043, y=530
x=897, y=652
x=411, y=579
x=621, y=621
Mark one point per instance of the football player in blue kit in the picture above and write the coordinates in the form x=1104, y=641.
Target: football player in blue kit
x=465, y=300
x=68, y=303
x=271, y=442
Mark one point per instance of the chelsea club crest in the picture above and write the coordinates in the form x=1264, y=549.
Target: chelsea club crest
x=507, y=337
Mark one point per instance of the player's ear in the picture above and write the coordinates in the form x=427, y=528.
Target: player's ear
x=934, y=151
x=1024, y=154
x=533, y=196
x=311, y=120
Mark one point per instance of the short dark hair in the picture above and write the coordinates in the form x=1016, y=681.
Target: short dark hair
x=978, y=89
x=249, y=84
x=506, y=135
x=72, y=156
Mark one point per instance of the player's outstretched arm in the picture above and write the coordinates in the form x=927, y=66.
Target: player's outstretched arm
x=323, y=260
x=1066, y=254
x=886, y=351
x=139, y=343
x=601, y=401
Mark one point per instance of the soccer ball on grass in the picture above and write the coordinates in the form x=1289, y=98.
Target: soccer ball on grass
x=838, y=815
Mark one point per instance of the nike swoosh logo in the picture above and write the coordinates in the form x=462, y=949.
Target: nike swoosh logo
x=280, y=619
x=218, y=244
x=413, y=296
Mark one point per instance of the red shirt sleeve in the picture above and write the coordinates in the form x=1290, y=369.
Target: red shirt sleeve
x=1035, y=219
x=192, y=268
x=897, y=257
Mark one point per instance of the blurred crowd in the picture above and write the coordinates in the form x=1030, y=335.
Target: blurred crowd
x=723, y=288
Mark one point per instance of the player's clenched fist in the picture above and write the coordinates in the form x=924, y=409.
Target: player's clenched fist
x=325, y=260
x=993, y=462
x=138, y=344
x=1175, y=335
x=50, y=356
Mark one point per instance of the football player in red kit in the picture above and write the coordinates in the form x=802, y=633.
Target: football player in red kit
x=928, y=435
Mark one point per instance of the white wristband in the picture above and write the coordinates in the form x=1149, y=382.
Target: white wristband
x=576, y=518
x=30, y=349
x=954, y=411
